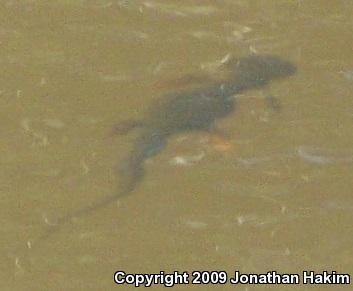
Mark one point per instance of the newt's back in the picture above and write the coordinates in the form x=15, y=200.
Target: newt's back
x=198, y=108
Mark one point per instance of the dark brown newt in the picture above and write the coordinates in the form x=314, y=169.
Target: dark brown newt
x=193, y=109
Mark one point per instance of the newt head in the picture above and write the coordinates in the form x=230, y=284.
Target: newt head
x=258, y=70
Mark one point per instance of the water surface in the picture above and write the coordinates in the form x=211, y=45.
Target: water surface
x=279, y=198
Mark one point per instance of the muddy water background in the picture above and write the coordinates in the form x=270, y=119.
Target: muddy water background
x=279, y=199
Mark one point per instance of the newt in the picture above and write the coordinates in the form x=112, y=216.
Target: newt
x=186, y=110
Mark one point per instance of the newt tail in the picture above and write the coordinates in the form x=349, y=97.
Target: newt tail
x=131, y=171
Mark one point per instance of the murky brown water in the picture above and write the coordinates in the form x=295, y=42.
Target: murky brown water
x=278, y=198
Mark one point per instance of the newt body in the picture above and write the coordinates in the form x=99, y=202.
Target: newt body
x=195, y=109
x=199, y=108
